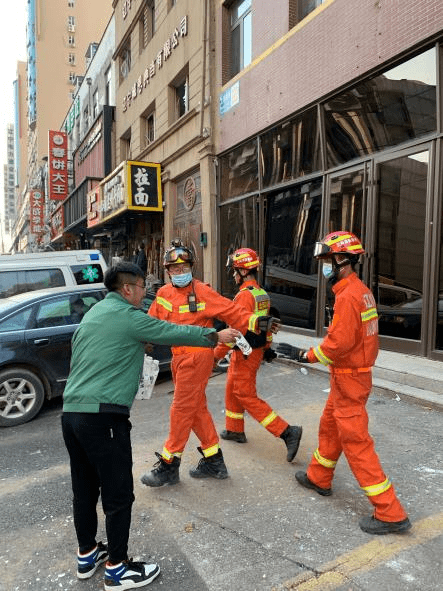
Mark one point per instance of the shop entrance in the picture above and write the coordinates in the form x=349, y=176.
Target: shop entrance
x=388, y=203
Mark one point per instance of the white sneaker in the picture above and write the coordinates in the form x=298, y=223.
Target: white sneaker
x=130, y=575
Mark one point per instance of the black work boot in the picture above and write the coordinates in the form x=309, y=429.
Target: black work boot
x=291, y=436
x=372, y=525
x=212, y=467
x=163, y=473
x=238, y=436
x=303, y=479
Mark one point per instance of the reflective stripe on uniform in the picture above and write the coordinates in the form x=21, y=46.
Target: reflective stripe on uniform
x=185, y=308
x=377, y=489
x=162, y=302
x=271, y=417
x=252, y=322
x=369, y=314
x=354, y=370
x=168, y=456
x=211, y=451
x=321, y=356
x=324, y=461
x=234, y=415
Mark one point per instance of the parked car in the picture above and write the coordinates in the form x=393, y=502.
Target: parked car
x=36, y=329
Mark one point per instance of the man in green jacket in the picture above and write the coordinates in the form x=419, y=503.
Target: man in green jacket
x=106, y=364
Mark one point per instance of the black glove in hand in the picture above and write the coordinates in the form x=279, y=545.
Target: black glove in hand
x=291, y=352
x=269, y=355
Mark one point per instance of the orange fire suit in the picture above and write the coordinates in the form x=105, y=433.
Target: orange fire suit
x=350, y=349
x=241, y=390
x=192, y=366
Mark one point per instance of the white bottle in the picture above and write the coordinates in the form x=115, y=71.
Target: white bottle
x=243, y=345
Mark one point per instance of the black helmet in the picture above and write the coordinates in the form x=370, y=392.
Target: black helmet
x=178, y=253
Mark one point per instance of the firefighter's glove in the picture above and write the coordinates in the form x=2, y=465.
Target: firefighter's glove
x=268, y=324
x=269, y=355
x=291, y=352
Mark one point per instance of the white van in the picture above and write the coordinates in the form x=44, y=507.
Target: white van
x=20, y=273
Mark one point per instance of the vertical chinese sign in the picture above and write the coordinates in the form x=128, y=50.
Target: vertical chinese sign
x=144, y=186
x=58, y=165
x=37, y=203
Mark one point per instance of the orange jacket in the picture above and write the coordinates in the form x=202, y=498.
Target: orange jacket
x=246, y=299
x=171, y=303
x=352, y=339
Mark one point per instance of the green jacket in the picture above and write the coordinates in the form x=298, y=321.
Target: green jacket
x=108, y=350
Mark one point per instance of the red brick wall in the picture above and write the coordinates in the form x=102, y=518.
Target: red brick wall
x=343, y=42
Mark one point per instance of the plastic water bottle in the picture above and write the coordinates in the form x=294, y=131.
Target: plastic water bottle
x=150, y=373
x=243, y=345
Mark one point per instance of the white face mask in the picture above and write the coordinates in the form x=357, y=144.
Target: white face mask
x=328, y=270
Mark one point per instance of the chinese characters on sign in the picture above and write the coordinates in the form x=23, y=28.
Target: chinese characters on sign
x=160, y=57
x=36, y=202
x=93, y=206
x=144, y=185
x=58, y=165
x=126, y=7
x=131, y=186
x=57, y=222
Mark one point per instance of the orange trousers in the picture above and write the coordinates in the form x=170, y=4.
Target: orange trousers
x=344, y=428
x=189, y=410
x=241, y=395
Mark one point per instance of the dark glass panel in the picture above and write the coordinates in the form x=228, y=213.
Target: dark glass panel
x=238, y=227
x=347, y=202
x=235, y=51
x=290, y=271
x=291, y=150
x=394, y=107
x=239, y=171
x=400, y=245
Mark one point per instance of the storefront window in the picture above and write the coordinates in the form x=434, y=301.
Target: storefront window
x=239, y=171
x=291, y=150
x=439, y=331
x=400, y=245
x=394, y=107
x=347, y=202
x=290, y=270
x=238, y=227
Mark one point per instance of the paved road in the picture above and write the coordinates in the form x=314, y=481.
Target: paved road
x=257, y=530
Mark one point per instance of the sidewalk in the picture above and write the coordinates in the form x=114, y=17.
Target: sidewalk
x=397, y=375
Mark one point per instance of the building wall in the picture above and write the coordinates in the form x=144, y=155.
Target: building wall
x=21, y=133
x=9, y=180
x=337, y=43
x=53, y=86
x=179, y=146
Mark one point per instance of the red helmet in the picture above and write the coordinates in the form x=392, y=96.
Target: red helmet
x=244, y=258
x=178, y=253
x=338, y=243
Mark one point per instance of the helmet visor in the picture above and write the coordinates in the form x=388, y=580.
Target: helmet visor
x=321, y=249
x=178, y=255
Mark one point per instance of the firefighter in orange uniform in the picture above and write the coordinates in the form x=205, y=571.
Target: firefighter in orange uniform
x=241, y=390
x=349, y=349
x=189, y=301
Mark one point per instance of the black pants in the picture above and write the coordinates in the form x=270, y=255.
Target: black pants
x=99, y=447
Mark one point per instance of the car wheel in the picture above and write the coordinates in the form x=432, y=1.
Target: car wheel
x=21, y=396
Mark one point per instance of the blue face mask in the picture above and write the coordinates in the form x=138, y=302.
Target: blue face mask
x=181, y=280
x=328, y=270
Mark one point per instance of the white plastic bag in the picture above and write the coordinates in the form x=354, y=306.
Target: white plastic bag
x=149, y=376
